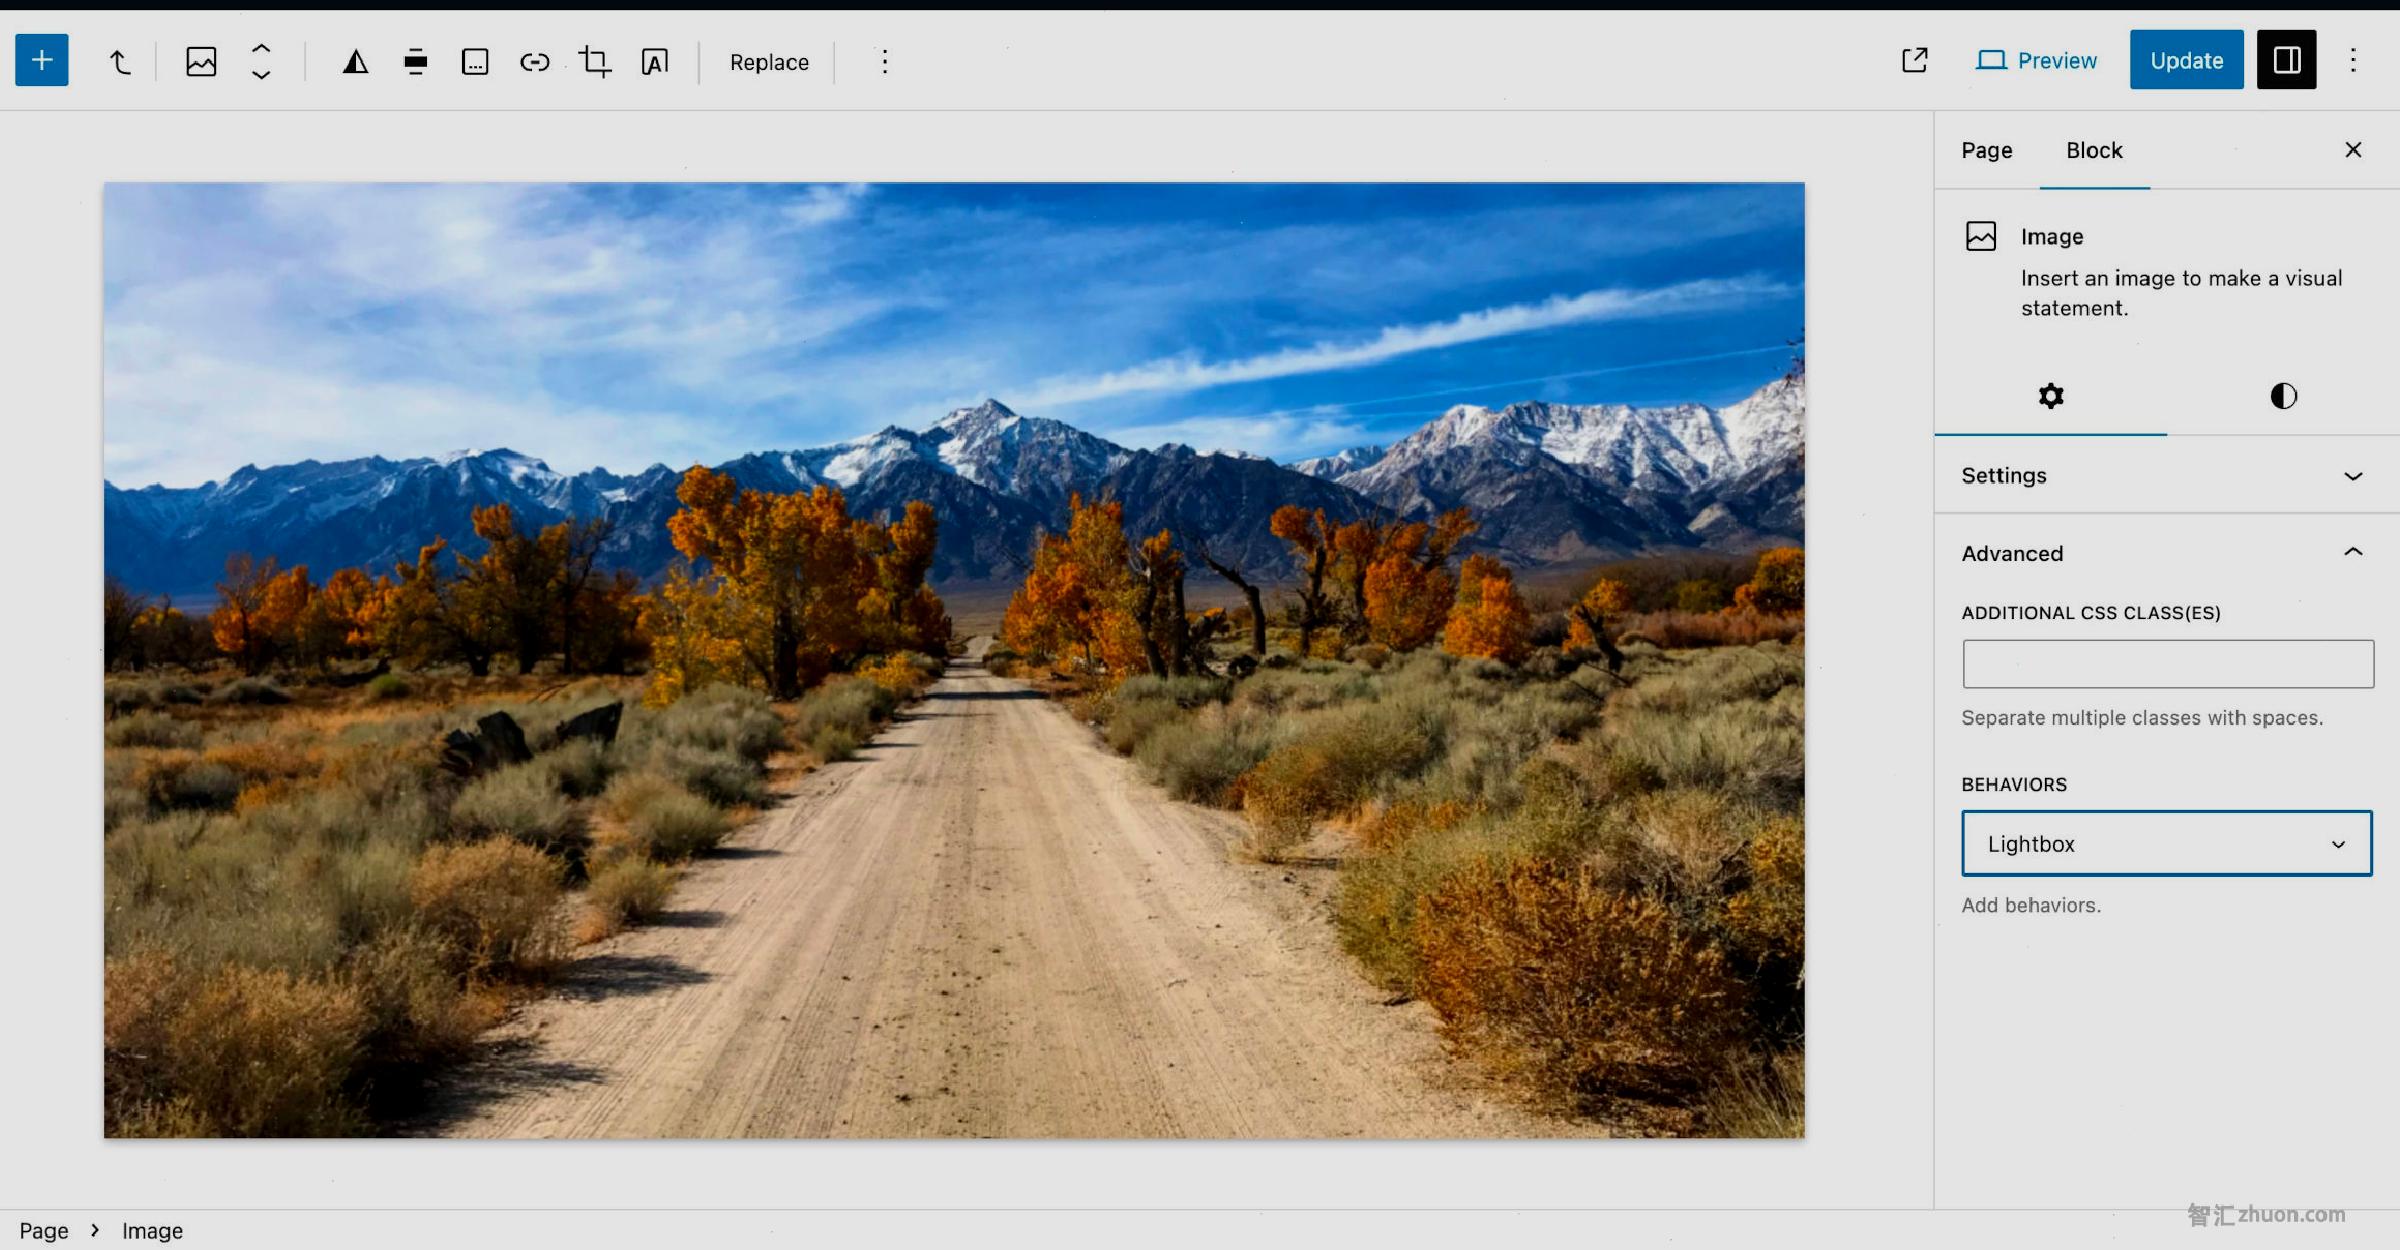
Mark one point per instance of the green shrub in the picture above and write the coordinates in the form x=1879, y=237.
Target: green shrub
x=581, y=767
x=521, y=802
x=666, y=822
x=202, y=784
x=121, y=697
x=256, y=691
x=152, y=729
x=850, y=703
x=1336, y=761
x=1131, y=723
x=628, y=891
x=1202, y=760
x=387, y=687
x=832, y=744
x=719, y=718
x=721, y=776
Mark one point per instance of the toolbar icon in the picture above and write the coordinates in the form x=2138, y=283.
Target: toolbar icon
x=41, y=60
x=534, y=62
x=2287, y=60
x=654, y=61
x=200, y=62
x=414, y=62
x=475, y=61
x=595, y=61
x=357, y=64
x=1991, y=58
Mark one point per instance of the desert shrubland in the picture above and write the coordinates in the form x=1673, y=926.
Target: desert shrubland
x=307, y=913
x=1595, y=880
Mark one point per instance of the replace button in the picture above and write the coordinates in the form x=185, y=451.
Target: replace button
x=2187, y=60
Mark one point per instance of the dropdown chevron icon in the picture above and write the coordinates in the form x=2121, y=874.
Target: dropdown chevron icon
x=2354, y=552
x=2352, y=476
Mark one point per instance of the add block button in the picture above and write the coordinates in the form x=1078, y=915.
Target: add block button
x=2187, y=60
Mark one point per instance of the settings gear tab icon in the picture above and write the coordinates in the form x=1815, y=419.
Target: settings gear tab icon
x=2052, y=395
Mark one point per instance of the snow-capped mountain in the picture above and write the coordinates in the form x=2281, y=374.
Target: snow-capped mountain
x=1574, y=481
x=1340, y=462
x=1550, y=482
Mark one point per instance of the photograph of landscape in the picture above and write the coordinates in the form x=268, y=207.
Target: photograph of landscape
x=1218, y=661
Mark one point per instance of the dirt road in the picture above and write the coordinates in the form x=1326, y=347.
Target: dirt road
x=985, y=925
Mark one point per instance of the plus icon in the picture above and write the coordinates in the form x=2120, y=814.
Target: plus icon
x=41, y=60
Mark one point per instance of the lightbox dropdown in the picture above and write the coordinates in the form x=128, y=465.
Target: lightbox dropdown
x=2063, y=842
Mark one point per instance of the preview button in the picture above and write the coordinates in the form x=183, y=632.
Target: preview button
x=2187, y=60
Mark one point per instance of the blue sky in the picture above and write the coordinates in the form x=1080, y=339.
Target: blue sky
x=623, y=325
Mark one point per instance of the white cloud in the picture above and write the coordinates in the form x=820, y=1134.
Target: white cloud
x=1611, y=304
x=823, y=206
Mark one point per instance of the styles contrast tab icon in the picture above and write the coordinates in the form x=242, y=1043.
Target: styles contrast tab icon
x=41, y=60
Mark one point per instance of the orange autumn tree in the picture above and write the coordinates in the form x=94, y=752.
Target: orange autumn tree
x=426, y=614
x=781, y=589
x=337, y=625
x=1407, y=588
x=1587, y=621
x=1489, y=618
x=1311, y=538
x=904, y=614
x=1080, y=594
x=259, y=610
x=1779, y=587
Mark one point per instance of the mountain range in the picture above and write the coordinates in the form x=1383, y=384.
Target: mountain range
x=1551, y=483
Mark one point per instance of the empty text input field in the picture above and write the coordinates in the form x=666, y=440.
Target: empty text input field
x=2169, y=664
x=2143, y=843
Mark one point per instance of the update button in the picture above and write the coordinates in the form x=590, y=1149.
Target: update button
x=2187, y=60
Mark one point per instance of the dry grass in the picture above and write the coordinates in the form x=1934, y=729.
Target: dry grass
x=1598, y=884
x=238, y=1051
x=624, y=892
x=279, y=850
x=496, y=901
x=1678, y=631
x=1595, y=995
